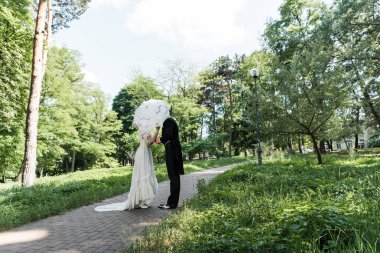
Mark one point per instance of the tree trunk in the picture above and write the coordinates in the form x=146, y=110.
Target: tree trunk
x=214, y=112
x=300, y=146
x=230, y=125
x=30, y=149
x=330, y=144
x=345, y=141
x=201, y=133
x=322, y=147
x=356, y=142
x=357, y=128
x=289, y=144
x=224, y=130
x=48, y=34
x=245, y=145
x=237, y=151
x=18, y=178
x=73, y=162
x=67, y=164
x=371, y=105
x=85, y=162
x=315, y=142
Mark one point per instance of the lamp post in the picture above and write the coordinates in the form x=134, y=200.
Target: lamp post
x=255, y=74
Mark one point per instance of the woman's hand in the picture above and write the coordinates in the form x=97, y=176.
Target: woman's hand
x=158, y=141
x=156, y=135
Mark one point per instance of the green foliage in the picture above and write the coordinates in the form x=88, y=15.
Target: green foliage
x=11, y=147
x=307, y=87
x=64, y=11
x=356, y=31
x=53, y=195
x=209, y=145
x=16, y=34
x=75, y=124
x=179, y=82
x=74, y=118
x=140, y=89
x=220, y=85
x=158, y=152
x=246, y=133
x=189, y=114
x=290, y=205
x=196, y=147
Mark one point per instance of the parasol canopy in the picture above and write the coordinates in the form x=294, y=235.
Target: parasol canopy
x=150, y=114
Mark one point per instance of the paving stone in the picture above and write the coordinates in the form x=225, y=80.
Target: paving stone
x=85, y=230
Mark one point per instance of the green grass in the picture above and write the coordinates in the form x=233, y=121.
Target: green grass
x=54, y=195
x=290, y=205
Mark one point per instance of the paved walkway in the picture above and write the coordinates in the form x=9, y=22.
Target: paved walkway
x=85, y=230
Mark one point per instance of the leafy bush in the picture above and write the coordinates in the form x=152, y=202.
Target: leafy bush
x=329, y=225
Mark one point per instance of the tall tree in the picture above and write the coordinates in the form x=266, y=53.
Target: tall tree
x=225, y=70
x=141, y=88
x=30, y=152
x=178, y=77
x=96, y=127
x=76, y=126
x=211, y=98
x=309, y=87
x=57, y=133
x=179, y=81
x=218, y=85
x=42, y=37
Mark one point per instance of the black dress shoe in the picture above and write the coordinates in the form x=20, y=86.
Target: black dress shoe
x=165, y=206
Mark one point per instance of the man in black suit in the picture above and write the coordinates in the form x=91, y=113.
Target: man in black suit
x=173, y=159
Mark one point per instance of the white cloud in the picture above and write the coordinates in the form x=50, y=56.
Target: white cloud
x=207, y=24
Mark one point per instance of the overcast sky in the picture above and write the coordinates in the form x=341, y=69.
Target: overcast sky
x=118, y=37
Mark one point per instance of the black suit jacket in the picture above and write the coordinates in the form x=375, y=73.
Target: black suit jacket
x=173, y=149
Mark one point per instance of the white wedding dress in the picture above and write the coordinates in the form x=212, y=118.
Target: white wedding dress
x=144, y=182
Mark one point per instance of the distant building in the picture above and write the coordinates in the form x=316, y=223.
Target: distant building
x=349, y=143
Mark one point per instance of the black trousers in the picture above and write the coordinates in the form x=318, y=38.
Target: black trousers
x=175, y=182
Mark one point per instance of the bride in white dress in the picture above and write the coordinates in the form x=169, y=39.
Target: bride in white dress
x=144, y=182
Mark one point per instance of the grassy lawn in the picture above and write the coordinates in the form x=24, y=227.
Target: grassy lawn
x=290, y=205
x=54, y=195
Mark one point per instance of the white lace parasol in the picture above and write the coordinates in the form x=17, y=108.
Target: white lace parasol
x=150, y=114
